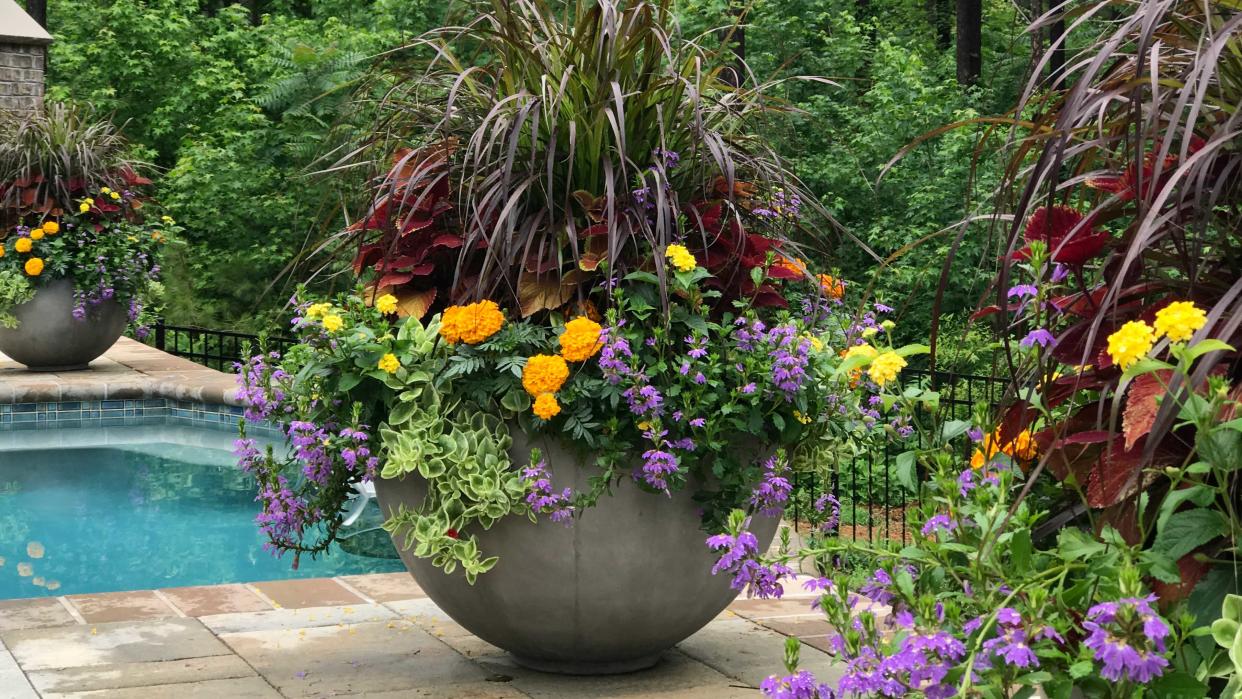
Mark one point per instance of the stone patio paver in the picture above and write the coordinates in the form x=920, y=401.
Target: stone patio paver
x=286, y=619
x=749, y=653
x=214, y=599
x=359, y=658
x=308, y=592
x=385, y=587
x=121, y=606
x=110, y=644
x=244, y=688
x=142, y=674
x=36, y=613
x=401, y=646
x=13, y=684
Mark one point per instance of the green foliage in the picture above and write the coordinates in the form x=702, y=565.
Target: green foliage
x=15, y=289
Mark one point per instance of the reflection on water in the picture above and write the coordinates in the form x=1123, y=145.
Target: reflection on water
x=106, y=519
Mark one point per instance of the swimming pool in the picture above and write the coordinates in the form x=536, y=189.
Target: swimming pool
x=133, y=508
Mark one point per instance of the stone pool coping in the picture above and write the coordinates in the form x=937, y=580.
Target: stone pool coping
x=129, y=370
x=360, y=635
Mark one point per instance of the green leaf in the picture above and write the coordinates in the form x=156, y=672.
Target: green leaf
x=1204, y=346
x=1177, y=685
x=910, y=350
x=1020, y=550
x=954, y=429
x=1145, y=366
x=1200, y=495
x=907, y=473
x=1082, y=668
x=1208, y=597
x=1185, y=531
x=1162, y=567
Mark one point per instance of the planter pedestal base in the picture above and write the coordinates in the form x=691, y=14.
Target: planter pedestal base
x=574, y=667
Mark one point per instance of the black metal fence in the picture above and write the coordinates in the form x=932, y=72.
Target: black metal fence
x=218, y=349
x=873, y=502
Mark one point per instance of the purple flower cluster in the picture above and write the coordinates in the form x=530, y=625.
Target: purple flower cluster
x=741, y=558
x=800, y=685
x=260, y=387
x=772, y=492
x=1010, y=645
x=920, y=664
x=824, y=502
x=285, y=515
x=939, y=522
x=1128, y=638
x=542, y=499
x=658, y=466
x=790, y=353
x=614, y=356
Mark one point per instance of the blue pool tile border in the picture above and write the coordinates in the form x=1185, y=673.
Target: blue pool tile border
x=117, y=413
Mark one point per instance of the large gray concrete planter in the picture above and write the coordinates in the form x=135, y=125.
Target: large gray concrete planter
x=629, y=579
x=49, y=338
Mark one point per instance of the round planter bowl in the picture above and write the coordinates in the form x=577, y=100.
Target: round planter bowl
x=49, y=338
x=609, y=593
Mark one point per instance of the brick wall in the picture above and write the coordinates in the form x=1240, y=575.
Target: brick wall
x=21, y=76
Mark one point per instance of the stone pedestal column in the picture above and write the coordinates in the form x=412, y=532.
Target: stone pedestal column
x=23, y=59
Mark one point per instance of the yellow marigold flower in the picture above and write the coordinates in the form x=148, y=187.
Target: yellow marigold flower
x=1179, y=320
x=546, y=406
x=833, y=288
x=23, y=245
x=885, y=367
x=860, y=350
x=318, y=310
x=36, y=234
x=386, y=304
x=389, y=363
x=471, y=324
x=1, y=250
x=681, y=257
x=544, y=373
x=34, y=266
x=1131, y=343
x=51, y=227
x=580, y=341
x=332, y=323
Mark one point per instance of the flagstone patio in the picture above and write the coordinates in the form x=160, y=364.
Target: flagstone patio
x=369, y=635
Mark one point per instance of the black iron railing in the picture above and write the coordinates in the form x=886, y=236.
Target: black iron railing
x=873, y=502
x=218, y=349
x=866, y=484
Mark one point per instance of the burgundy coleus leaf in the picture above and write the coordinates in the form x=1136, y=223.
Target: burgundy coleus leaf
x=447, y=240
x=1116, y=474
x=131, y=178
x=1142, y=404
x=1072, y=347
x=1069, y=234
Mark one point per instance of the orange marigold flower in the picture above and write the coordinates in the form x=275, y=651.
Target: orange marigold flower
x=546, y=406
x=544, y=373
x=833, y=288
x=1020, y=448
x=34, y=267
x=580, y=341
x=471, y=324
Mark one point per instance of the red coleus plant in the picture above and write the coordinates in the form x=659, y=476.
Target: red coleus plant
x=720, y=241
x=1069, y=234
x=415, y=256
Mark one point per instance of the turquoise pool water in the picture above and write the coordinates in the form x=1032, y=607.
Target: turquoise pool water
x=134, y=516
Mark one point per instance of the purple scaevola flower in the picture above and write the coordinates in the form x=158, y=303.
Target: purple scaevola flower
x=1038, y=336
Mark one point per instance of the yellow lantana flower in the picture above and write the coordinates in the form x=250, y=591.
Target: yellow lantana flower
x=318, y=310
x=105, y=190
x=332, y=323
x=114, y=195
x=1179, y=320
x=51, y=227
x=860, y=350
x=34, y=266
x=23, y=245
x=386, y=304
x=681, y=257
x=389, y=363
x=544, y=373
x=885, y=367
x=1131, y=343
x=580, y=341
x=546, y=406
x=84, y=207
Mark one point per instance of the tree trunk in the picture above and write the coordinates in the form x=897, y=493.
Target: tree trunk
x=969, y=41
x=940, y=16
x=1056, y=61
x=37, y=9
x=736, y=36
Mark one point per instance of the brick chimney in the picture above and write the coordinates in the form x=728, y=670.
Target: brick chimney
x=23, y=58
